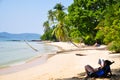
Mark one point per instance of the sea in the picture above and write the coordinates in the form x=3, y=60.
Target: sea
x=19, y=52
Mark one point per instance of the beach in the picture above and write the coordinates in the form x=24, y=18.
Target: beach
x=67, y=64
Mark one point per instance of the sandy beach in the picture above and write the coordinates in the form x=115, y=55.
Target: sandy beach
x=66, y=65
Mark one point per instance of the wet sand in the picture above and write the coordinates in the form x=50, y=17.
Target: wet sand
x=29, y=64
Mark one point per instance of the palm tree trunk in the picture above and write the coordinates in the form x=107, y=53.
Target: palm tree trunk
x=74, y=44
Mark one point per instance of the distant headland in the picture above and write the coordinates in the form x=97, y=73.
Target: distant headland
x=5, y=36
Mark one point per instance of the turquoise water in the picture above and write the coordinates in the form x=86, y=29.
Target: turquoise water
x=18, y=52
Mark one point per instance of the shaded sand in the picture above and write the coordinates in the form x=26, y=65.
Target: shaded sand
x=66, y=65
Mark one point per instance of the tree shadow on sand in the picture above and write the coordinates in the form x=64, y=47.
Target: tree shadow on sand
x=115, y=76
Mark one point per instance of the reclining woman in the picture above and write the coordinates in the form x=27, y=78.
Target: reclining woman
x=102, y=71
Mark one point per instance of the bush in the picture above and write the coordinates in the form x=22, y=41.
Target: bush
x=89, y=40
x=114, y=46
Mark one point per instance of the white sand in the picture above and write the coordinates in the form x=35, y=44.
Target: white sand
x=64, y=65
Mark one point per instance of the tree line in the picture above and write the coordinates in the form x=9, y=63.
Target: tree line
x=87, y=21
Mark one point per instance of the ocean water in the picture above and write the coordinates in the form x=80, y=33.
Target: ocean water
x=18, y=52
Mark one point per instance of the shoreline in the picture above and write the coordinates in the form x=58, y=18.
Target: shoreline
x=18, y=67
x=39, y=60
x=29, y=63
x=64, y=65
x=32, y=62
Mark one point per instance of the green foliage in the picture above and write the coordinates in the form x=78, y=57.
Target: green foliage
x=110, y=26
x=87, y=21
x=99, y=36
x=56, y=18
x=60, y=32
x=46, y=26
x=89, y=40
x=114, y=46
x=85, y=16
x=48, y=36
x=75, y=35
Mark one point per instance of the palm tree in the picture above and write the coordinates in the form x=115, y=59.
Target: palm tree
x=58, y=19
x=51, y=16
x=59, y=6
x=60, y=30
x=46, y=26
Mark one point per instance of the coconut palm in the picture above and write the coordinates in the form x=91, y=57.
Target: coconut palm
x=58, y=18
x=60, y=30
x=51, y=16
x=46, y=26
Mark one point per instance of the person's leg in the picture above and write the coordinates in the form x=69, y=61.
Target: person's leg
x=89, y=69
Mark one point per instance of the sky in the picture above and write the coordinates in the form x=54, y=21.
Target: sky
x=26, y=16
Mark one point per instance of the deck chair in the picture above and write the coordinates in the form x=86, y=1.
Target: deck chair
x=104, y=72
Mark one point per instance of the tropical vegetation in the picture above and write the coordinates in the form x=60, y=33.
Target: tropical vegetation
x=87, y=21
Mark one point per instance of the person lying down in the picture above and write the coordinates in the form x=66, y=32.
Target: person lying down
x=103, y=71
